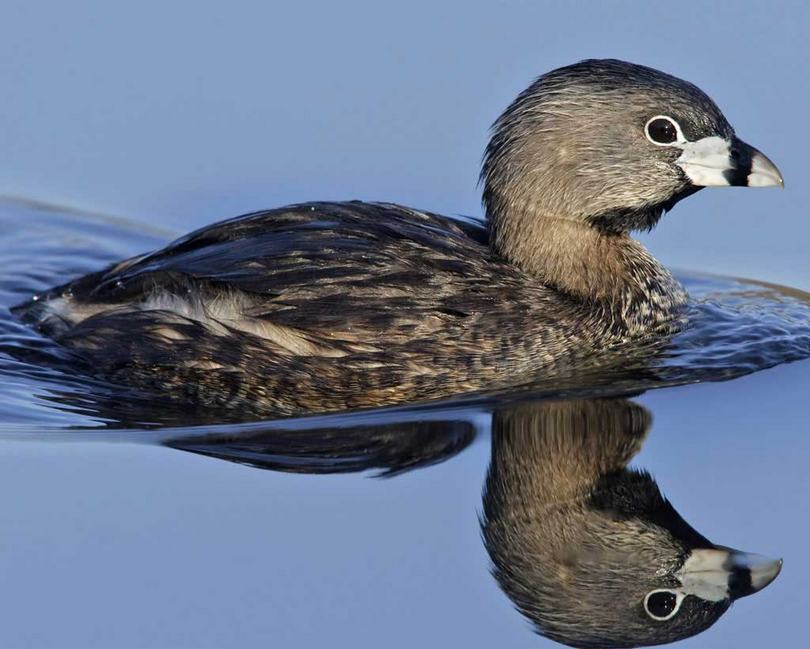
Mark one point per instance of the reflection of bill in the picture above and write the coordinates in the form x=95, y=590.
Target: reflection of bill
x=586, y=548
x=589, y=550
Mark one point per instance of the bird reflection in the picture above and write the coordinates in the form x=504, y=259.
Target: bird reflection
x=586, y=548
x=591, y=551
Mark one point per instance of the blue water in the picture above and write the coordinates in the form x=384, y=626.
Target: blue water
x=123, y=525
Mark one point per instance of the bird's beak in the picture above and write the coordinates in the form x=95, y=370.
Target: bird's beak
x=722, y=573
x=715, y=161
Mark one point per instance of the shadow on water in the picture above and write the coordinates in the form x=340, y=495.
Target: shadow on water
x=587, y=549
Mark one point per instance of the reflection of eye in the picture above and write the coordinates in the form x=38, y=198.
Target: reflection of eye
x=662, y=604
x=662, y=130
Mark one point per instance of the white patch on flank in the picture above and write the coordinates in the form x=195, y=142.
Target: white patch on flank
x=219, y=314
x=227, y=311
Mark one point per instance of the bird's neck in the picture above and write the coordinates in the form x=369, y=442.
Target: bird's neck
x=547, y=461
x=557, y=452
x=611, y=275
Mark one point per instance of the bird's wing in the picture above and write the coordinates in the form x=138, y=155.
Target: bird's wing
x=346, y=270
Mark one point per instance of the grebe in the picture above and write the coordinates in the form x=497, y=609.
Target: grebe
x=326, y=306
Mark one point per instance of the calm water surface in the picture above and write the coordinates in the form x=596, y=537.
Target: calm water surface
x=130, y=524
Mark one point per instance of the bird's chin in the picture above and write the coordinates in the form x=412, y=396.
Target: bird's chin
x=685, y=191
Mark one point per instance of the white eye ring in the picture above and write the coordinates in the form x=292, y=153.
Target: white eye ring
x=679, y=597
x=680, y=140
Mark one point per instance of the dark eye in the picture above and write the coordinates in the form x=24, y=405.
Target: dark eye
x=662, y=130
x=662, y=604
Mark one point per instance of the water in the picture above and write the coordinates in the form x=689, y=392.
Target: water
x=126, y=524
x=120, y=523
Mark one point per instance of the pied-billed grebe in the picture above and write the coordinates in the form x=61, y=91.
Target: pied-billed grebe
x=325, y=306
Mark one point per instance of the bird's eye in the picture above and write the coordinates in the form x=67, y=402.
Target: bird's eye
x=662, y=130
x=662, y=604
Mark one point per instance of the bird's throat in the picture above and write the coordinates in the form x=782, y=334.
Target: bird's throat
x=614, y=277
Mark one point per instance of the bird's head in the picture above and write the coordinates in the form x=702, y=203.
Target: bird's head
x=614, y=145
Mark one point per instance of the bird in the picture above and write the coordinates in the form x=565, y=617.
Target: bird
x=326, y=306
x=589, y=550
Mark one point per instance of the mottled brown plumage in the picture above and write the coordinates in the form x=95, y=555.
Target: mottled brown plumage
x=326, y=306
